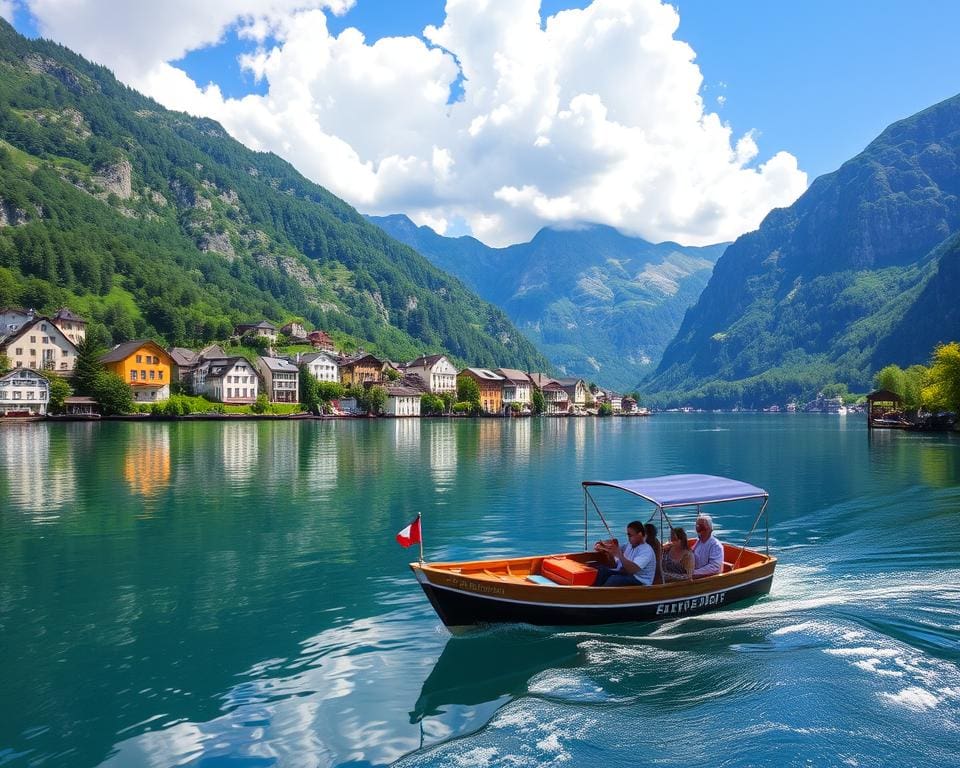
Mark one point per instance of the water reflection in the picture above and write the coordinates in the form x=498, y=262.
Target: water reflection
x=146, y=464
x=39, y=470
x=443, y=454
x=239, y=445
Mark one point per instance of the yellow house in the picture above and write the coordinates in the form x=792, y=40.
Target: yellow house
x=144, y=365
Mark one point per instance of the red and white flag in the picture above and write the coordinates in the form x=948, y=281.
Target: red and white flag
x=411, y=534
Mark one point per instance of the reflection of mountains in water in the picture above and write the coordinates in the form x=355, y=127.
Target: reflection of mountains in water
x=482, y=668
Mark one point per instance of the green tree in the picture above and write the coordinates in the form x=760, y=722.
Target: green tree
x=262, y=405
x=468, y=391
x=431, y=405
x=59, y=391
x=113, y=393
x=891, y=378
x=605, y=409
x=375, y=399
x=330, y=390
x=309, y=389
x=4, y=363
x=942, y=388
x=539, y=404
x=834, y=390
x=87, y=367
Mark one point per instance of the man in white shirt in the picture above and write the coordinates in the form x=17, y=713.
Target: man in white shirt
x=634, y=564
x=707, y=551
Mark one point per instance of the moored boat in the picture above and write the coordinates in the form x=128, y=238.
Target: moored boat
x=557, y=589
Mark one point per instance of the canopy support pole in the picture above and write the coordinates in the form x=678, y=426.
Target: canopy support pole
x=587, y=495
x=762, y=513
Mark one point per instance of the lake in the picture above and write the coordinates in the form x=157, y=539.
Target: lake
x=232, y=595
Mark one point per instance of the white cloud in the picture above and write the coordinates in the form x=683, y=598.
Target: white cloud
x=6, y=10
x=596, y=116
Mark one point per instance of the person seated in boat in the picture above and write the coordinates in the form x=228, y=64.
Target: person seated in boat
x=650, y=534
x=678, y=560
x=633, y=564
x=707, y=551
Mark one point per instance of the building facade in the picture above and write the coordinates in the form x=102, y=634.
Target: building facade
x=231, y=380
x=39, y=344
x=24, y=391
x=517, y=388
x=281, y=379
x=437, y=372
x=490, y=385
x=321, y=365
x=145, y=366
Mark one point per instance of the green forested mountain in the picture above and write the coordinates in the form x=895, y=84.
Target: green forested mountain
x=863, y=270
x=599, y=304
x=153, y=223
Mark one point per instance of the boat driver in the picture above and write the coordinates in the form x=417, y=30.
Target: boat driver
x=707, y=551
x=634, y=563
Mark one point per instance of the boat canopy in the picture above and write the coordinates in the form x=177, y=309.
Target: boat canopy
x=685, y=490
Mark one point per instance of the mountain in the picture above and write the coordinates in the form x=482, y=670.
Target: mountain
x=153, y=223
x=599, y=304
x=863, y=270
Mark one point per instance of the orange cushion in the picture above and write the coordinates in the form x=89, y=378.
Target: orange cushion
x=568, y=572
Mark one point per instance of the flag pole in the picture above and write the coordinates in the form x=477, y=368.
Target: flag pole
x=419, y=516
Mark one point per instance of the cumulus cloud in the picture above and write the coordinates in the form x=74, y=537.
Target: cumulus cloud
x=595, y=115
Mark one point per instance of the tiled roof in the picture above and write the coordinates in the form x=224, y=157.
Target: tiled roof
x=279, y=364
x=515, y=376
x=127, y=348
x=484, y=373
x=426, y=361
x=65, y=314
x=394, y=390
x=183, y=356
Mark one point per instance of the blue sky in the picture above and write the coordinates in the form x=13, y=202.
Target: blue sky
x=813, y=80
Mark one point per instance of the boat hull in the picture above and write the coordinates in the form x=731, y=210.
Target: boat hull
x=462, y=601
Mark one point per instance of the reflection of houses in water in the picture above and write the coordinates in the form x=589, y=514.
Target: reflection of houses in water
x=443, y=451
x=490, y=436
x=146, y=465
x=322, y=465
x=40, y=476
x=520, y=430
x=406, y=437
x=279, y=462
x=240, y=442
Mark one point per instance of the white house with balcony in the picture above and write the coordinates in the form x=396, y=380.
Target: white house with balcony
x=231, y=380
x=39, y=344
x=321, y=365
x=24, y=391
x=517, y=388
x=281, y=379
x=436, y=371
x=402, y=401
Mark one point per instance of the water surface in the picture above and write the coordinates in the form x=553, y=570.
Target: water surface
x=231, y=594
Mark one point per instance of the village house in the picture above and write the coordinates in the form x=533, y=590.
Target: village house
x=490, y=385
x=39, y=344
x=517, y=388
x=576, y=390
x=295, y=331
x=629, y=405
x=321, y=365
x=185, y=362
x=230, y=380
x=281, y=379
x=359, y=369
x=263, y=329
x=145, y=366
x=320, y=340
x=436, y=371
x=24, y=391
x=11, y=318
x=73, y=326
x=402, y=401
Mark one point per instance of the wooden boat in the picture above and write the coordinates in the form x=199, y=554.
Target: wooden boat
x=556, y=589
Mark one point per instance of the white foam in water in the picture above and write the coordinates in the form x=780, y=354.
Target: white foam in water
x=913, y=698
x=478, y=757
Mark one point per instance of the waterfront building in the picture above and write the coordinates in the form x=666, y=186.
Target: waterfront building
x=360, y=368
x=437, y=372
x=39, y=344
x=322, y=366
x=231, y=380
x=24, y=391
x=576, y=390
x=517, y=388
x=281, y=379
x=185, y=361
x=145, y=366
x=402, y=401
x=491, y=388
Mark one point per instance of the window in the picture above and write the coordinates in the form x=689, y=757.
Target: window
x=33, y=353
x=33, y=339
x=139, y=358
x=43, y=326
x=16, y=395
x=18, y=351
x=64, y=353
x=133, y=375
x=143, y=375
x=160, y=375
x=46, y=339
x=30, y=395
x=152, y=374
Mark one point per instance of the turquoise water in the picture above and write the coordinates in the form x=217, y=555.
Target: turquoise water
x=220, y=595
